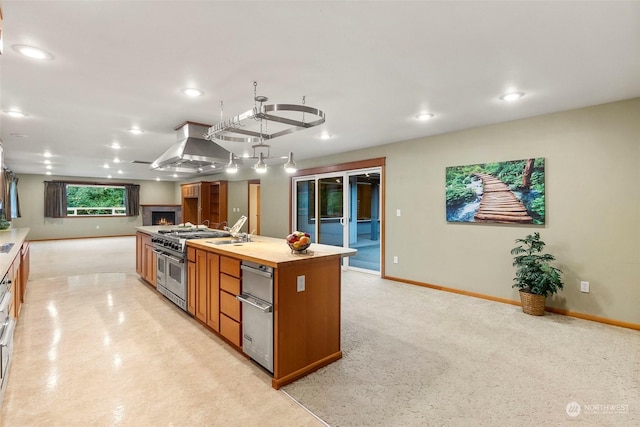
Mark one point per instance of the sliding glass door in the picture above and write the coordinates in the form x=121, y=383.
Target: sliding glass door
x=342, y=209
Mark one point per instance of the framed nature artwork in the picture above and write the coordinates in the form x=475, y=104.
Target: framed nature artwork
x=509, y=192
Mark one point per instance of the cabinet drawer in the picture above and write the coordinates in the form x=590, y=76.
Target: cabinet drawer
x=191, y=254
x=228, y=283
x=229, y=305
x=230, y=266
x=230, y=329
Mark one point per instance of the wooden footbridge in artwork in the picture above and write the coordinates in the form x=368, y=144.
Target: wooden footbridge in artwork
x=499, y=204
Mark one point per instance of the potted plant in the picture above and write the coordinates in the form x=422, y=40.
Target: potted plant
x=535, y=277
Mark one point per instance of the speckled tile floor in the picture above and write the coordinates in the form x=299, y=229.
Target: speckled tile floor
x=104, y=349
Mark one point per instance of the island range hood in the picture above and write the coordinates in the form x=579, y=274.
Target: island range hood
x=192, y=152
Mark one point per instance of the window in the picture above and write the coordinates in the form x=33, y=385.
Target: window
x=77, y=199
x=95, y=200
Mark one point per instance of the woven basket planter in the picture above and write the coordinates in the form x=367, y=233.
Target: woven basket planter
x=532, y=304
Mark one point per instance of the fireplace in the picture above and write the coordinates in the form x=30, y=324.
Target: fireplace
x=161, y=214
x=163, y=218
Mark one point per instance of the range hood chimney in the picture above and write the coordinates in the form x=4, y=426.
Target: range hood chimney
x=192, y=152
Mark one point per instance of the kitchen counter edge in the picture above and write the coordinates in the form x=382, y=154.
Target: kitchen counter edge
x=17, y=236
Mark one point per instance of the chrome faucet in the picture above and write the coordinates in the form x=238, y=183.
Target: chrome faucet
x=207, y=222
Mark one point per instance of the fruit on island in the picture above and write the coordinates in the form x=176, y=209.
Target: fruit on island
x=298, y=239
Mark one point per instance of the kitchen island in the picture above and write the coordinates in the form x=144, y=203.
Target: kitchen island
x=306, y=298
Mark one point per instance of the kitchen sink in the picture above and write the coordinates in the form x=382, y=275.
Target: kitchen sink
x=227, y=242
x=6, y=248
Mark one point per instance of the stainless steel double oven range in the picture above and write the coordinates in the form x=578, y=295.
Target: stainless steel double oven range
x=171, y=249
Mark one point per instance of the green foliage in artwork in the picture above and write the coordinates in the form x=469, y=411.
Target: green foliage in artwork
x=457, y=192
x=537, y=210
x=94, y=196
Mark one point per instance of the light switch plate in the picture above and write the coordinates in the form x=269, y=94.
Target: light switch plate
x=584, y=286
x=300, y=283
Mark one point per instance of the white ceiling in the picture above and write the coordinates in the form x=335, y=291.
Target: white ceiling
x=370, y=66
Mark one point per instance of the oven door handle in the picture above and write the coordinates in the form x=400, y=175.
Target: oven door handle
x=267, y=308
x=172, y=258
x=8, y=333
x=4, y=304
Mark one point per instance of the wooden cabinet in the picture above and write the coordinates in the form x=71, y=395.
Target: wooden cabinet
x=13, y=275
x=145, y=258
x=191, y=281
x=306, y=334
x=213, y=291
x=25, y=268
x=203, y=291
x=201, y=286
x=204, y=201
x=230, y=308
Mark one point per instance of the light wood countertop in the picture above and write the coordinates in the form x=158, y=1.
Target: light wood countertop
x=11, y=235
x=270, y=250
x=265, y=250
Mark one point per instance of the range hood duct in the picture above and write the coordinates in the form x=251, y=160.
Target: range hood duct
x=192, y=152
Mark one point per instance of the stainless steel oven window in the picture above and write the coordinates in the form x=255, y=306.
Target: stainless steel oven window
x=176, y=280
x=160, y=269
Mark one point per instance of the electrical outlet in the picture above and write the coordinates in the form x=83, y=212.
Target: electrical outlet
x=395, y=259
x=397, y=212
x=584, y=287
x=97, y=227
x=301, y=283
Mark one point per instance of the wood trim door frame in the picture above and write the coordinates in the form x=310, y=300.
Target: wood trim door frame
x=253, y=205
x=342, y=167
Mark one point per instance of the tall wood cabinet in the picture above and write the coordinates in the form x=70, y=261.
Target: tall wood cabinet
x=204, y=201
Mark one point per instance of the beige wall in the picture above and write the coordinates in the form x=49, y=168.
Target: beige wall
x=31, y=192
x=592, y=195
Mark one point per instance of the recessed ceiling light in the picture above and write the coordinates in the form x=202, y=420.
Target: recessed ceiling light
x=175, y=175
x=46, y=154
x=424, y=116
x=192, y=92
x=157, y=178
x=48, y=172
x=512, y=96
x=106, y=166
x=115, y=146
x=32, y=52
x=16, y=113
x=109, y=176
x=326, y=136
x=120, y=171
x=47, y=162
x=49, y=167
x=116, y=160
x=136, y=131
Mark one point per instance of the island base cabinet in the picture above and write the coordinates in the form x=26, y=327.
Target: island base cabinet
x=231, y=330
x=307, y=323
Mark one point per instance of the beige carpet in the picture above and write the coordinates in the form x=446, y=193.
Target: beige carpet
x=420, y=357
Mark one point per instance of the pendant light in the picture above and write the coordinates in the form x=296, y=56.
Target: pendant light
x=261, y=166
x=290, y=166
x=232, y=166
